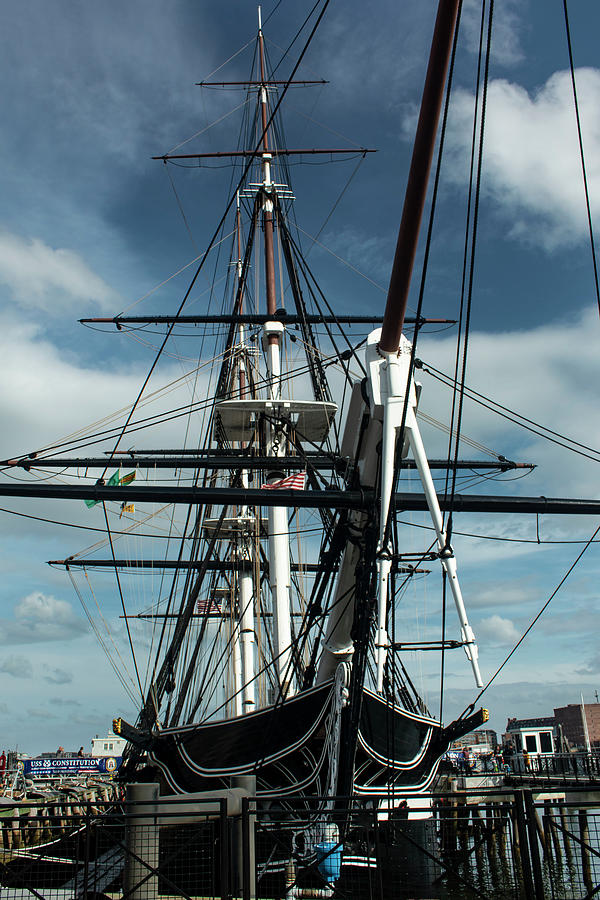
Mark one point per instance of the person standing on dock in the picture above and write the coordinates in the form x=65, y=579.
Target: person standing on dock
x=466, y=761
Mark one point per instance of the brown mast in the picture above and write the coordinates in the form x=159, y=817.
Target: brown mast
x=268, y=203
x=418, y=177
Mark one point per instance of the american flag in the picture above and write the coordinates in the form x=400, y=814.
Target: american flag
x=208, y=607
x=294, y=482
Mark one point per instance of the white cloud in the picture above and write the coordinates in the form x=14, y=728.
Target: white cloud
x=532, y=165
x=40, y=713
x=534, y=372
x=355, y=66
x=38, y=607
x=497, y=630
x=39, y=618
x=48, y=394
x=369, y=254
x=49, y=279
x=57, y=676
x=17, y=666
x=506, y=46
x=514, y=594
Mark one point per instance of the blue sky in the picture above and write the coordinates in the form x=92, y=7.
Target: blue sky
x=89, y=224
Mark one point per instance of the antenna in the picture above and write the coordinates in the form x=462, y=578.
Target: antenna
x=259, y=19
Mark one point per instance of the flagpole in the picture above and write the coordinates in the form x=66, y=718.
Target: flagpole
x=586, y=733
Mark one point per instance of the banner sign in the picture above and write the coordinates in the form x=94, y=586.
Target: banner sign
x=77, y=765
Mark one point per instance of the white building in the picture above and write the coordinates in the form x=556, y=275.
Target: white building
x=534, y=735
x=111, y=745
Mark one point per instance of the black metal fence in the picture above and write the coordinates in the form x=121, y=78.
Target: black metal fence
x=493, y=844
x=580, y=768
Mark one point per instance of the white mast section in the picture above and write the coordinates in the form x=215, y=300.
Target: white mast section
x=279, y=552
x=388, y=378
x=387, y=384
x=236, y=654
x=245, y=690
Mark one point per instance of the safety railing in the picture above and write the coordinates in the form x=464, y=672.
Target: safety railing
x=494, y=843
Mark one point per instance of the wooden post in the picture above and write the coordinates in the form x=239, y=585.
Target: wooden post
x=584, y=834
x=491, y=823
x=477, y=835
x=533, y=832
x=566, y=838
x=523, y=847
x=17, y=839
x=553, y=833
x=462, y=815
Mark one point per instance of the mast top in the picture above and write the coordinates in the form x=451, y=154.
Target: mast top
x=418, y=178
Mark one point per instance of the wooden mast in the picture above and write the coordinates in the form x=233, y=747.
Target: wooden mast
x=389, y=354
x=418, y=177
x=268, y=204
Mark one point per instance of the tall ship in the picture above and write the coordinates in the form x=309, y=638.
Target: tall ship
x=276, y=652
x=273, y=654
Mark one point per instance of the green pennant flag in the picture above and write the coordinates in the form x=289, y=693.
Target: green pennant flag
x=112, y=481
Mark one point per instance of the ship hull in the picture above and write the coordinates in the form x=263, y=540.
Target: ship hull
x=290, y=749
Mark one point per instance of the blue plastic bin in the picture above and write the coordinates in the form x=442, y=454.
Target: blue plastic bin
x=329, y=859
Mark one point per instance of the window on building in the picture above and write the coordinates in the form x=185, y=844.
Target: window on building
x=531, y=743
x=106, y=746
x=546, y=742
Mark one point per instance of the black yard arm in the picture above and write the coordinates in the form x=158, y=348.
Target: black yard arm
x=332, y=499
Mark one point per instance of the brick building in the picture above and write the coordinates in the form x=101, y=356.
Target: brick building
x=483, y=738
x=571, y=719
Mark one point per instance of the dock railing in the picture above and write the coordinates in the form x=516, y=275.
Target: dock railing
x=580, y=768
x=491, y=842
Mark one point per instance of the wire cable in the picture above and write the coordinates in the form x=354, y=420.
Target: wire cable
x=220, y=225
x=583, y=165
x=588, y=544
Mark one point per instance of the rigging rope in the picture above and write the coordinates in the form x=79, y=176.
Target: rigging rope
x=181, y=209
x=588, y=543
x=505, y=412
x=473, y=239
x=118, y=579
x=101, y=641
x=583, y=165
x=221, y=222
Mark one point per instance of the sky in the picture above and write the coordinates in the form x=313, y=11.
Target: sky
x=90, y=225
